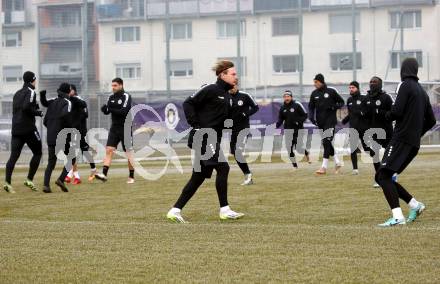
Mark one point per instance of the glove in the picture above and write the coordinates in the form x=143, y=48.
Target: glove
x=104, y=109
x=43, y=93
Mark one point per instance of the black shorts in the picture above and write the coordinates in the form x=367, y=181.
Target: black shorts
x=116, y=136
x=215, y=161
x=398, y=156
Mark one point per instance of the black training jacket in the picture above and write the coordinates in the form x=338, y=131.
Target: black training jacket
x=323, y=105
x=57, y=116
x=79, y=114
x=118, y=105
x=209, y=107
x=24, y=110
x=356, y=112
x=377, y=105
x=243, y=106
x=412, y=110
x=293, y=115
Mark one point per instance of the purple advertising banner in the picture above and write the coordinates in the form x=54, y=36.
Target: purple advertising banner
x=172, y=114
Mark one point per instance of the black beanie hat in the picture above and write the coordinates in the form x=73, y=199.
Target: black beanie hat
x=64, y=88
x=29, y=77
x=355, y=83
x=319, y=77
x=288, y=92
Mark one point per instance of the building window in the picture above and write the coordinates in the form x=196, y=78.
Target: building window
x=344, y=61
x=227, y=29
x=128, y=71
x=397, y=57
x=342, y=23
x=285, y=63
x=181, y=31
x=67, y=18
x=127, y=34
x=7, y=108
x=11, y=39
x=283, y=26
x=12, y=74
x=181, y=68
x=410, y=19
x=13, y=5
x=242, y=70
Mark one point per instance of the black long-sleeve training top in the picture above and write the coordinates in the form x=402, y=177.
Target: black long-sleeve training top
x=118, y=105
x=24, y=110
x=412, y=110
x=292, y=115
x=243, y=107
x=323, y=104
x=209, y=107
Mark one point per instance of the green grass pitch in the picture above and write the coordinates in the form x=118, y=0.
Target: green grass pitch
x=297, y=228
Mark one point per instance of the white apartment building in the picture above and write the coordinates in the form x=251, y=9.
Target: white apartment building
x=19, y=49
x=132, y=38
x=127, y=38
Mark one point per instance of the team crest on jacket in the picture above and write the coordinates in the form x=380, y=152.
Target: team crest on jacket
x=378, y=103
x=326, y=95
x=358, y=102
x=240, y=102
x=119, y=101
x=292, y=110
x=171, y=116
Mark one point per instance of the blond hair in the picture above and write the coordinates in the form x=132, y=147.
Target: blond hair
x=222, y=66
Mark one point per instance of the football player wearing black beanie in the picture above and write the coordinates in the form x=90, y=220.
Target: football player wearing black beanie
x=25, y=109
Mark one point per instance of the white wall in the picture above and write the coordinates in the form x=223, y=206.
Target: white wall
x=258, y=45
x=374, y=42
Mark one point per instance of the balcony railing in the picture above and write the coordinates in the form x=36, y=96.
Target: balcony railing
x=61, y=70
x=330, y=3
x=365, y=3
x=60, y=33
x=120, y=9
x=377, y=3
x=154, y=9
x=14, y=18
x=148, y=9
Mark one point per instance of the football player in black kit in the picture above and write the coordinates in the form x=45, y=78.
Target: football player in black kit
x=358, y=123
x=414, y=116
x=79, y=115
x=118, y=105
x=377, y=103
x=208, y=110
x=243, y=106
x=324, y=102
x=292, y=116
x=24, y=110
x=56, y=119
